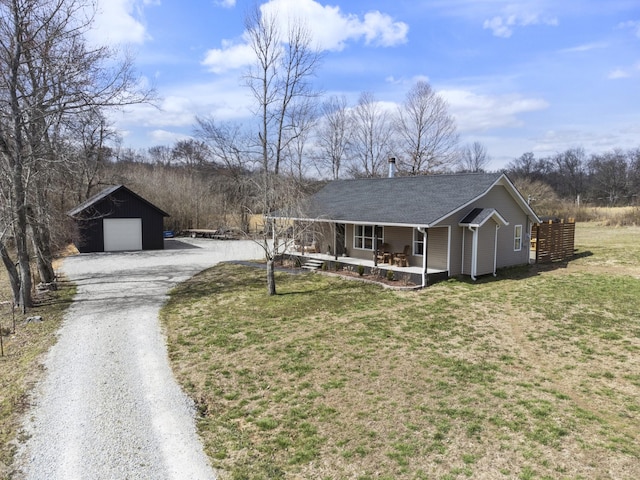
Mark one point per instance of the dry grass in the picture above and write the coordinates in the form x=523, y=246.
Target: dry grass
x=608, y=216
x=533, y=375
x=20, y=365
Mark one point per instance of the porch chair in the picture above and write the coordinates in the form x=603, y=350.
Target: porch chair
x=383, y=254
x=400, y=259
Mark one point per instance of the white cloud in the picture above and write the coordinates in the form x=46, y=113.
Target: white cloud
x=380, y=29
x=224, y=99
x=119, y=21
x=635, y=25
x=226, y=3
x=587, y=47
x=165, y=137
x=503, y=25
x=475, y=112
x=407, y=82
x=592, y=140
x=230, y=57
x=330, y=28
x=618, y=73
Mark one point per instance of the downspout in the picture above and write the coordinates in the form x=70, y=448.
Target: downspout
x=464, y=237
x=449, y=251
x=425, y=238
x=495, y=252
x=474, y=252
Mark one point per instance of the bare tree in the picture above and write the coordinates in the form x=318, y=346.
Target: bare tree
x=49, y=77
x=160, y=154
x=569, y=176
x=230, y=146
x=193, y=156
x=427, y=133
x=524, y=167
x=372, y=137
x=634, y=175
x=276, y=237
x=610, y=180
x=473, y=158
x=303, y=119
x=190, y=153
x=88, y=152
x=280, y=78
x=334, y=135
x=539, y=195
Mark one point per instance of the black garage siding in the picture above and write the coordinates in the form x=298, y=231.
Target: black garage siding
x=117, y=202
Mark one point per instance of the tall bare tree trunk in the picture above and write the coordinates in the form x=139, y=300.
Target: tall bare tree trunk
x=16, y=161
x=42, y=246
x=271, y=278
x=14, y=277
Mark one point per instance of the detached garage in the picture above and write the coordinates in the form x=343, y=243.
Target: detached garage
x=117, y=219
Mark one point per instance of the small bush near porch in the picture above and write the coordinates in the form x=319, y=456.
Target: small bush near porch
x=536, y=375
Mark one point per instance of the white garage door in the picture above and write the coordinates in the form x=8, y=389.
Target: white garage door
x=122, y=234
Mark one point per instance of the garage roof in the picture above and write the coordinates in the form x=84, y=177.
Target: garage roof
x=96, y=199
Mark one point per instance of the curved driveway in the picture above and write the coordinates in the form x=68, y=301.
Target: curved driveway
x=108, y=406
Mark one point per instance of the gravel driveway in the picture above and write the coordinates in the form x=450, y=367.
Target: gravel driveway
x=108, y=406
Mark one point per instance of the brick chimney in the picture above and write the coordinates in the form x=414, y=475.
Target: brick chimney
x=392, y=167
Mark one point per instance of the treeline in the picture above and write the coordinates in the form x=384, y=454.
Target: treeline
x=573, y=179
x=190, y=181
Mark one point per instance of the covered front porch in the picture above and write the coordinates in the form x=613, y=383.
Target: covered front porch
x=412, y=274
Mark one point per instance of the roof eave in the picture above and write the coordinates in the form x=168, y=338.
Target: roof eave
x=350, y=222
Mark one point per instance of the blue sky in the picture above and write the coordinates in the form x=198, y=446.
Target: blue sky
x=519, y=76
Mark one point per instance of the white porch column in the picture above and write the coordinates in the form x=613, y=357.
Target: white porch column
x=449, y=251
x=425, y=247
x=495, y=251
x=474, y=252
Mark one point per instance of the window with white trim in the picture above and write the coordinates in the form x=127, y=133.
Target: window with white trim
x=517, y=238
x=363, y=237
x=418, y=242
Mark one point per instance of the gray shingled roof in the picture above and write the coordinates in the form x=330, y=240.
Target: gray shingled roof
x=97, y=198
x=419, y=200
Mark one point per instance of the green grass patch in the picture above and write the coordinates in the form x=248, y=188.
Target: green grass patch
x=529, y=375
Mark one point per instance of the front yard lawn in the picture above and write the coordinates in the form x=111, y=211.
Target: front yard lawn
x=532, y=375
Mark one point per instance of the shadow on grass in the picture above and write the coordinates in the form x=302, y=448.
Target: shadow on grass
x=249, y=276
x=299, y=292
x=522, y=272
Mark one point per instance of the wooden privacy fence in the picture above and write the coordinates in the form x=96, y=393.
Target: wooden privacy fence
x=553, y=241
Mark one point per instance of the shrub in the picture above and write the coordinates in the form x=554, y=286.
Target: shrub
x=361, y=270
x=390, y=275
x=337, y=266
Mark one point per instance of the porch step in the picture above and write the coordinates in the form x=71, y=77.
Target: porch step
x=313, y=264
